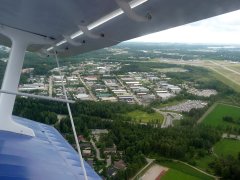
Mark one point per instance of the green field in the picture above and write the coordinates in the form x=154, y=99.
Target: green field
x=227, y=147
x=202, y=163
x=173, y=174
x=224, y=147
x=225, y=80
x=179, y=170
x=215, y=117
x=144, y=117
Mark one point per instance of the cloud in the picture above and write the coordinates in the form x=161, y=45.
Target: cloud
x=223, y=29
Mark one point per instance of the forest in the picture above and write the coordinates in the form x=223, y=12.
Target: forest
x=183, y=142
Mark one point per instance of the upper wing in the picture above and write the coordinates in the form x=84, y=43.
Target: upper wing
x=96, y=24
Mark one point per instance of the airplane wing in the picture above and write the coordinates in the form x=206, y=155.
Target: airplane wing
x=73, y=27
x=104, y=22
x=46, y=156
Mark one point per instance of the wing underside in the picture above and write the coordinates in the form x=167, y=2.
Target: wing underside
x=58, y=18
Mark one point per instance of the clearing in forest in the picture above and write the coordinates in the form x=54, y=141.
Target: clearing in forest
x=144, y=117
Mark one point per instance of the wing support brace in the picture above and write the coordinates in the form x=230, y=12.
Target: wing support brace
x=20, y=41
x=37, y=96
x=88, y=33
x=126, y=8
x=43, y=52
x=71, y=41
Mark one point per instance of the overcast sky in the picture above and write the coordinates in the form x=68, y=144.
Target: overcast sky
x=223, y=29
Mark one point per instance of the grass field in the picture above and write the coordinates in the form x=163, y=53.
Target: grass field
x=173, y=174
x=226, y=81
x=227, y=147
x=202, y=163
x=235, y=67
x=214, y=118
x=143, y=117
x=182, y=171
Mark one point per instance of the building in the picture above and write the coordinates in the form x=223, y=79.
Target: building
x=90, y=78
x=111, y=99
x=174, y=89
x=83, y=96
x=32, y=87
x=86, y=152
x=166, y=95
x=120, y=165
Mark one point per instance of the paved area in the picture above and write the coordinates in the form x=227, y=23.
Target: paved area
x=149, y=162
x=186, y=106
x=96, y=149
x=154, y=172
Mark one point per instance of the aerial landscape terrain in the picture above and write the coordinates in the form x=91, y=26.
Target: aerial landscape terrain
x=143, y=110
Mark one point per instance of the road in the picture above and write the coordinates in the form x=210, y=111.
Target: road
x=50, y=86
x=109, y=161
x=169, y=117
x=168, y=122
x=60, y=117
x=88, y=88
x=164, y=117
x=97, y=150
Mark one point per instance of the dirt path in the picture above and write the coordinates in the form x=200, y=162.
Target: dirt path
x=150, y=161
x=97, y=150
x=207, y=112
x=215, y=177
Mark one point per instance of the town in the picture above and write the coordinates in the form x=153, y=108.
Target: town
x=101, y=81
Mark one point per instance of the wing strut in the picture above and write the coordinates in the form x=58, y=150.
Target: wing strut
x=20, y=41
x=71, y=119
x=37, y=96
